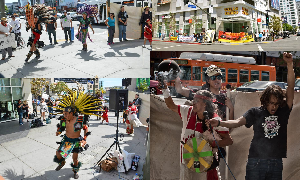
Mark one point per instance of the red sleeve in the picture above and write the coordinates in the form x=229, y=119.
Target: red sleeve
x=179, y=110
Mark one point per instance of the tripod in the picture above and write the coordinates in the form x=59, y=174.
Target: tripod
x=116, y=142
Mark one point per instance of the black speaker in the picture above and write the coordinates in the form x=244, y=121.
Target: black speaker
x=118, y=99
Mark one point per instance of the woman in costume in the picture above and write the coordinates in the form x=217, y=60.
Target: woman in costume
x=148, y=33
x=83, y=32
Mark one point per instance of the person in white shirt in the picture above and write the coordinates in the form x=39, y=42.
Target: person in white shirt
x=16, y=27
x=66, y=25
x=5, y=29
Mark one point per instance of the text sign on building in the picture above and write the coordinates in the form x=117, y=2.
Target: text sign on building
x=245, y=11
x=231, y=11
x=190, y=20
x=259, y=20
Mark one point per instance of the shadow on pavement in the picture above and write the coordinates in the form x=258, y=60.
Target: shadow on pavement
x=87, y=55
x=120, y=46
x=28, y=68
x=10, y=131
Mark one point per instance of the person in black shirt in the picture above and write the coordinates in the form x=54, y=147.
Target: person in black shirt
x=137, y=102
x=145, y=15
x=51, y=28
x=269, y=121
x=50, y=106
x=122, y=17
x=25, y=110
x=20, y=111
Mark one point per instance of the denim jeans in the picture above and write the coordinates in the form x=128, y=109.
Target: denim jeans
x=67, y=31
x=143, y=26
x=20, y=117
x=54, y=35
x=111, y=32
x=264, y=169
x=122, y=32
x=50, y=110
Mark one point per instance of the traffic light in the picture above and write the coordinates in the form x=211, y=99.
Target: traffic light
x=186, y=2
x=267, y=19
x=213, y=19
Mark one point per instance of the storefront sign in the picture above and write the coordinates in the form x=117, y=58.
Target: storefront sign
x=231, y=11
x=190, y=20
x=166, y=17
x=245, y=11
x=259, y=20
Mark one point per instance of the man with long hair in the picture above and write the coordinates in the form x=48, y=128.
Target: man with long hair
x=269, y=121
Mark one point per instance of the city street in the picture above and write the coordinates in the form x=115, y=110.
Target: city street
x=288, y=44
x=122, y=59
x=28, y=153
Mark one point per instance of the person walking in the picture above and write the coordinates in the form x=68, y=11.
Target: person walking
x=50, y=106
x=122, y=16
x=51, y=29
x=145, y=15
x=83, y=32
x=66, y=25
x=16, y=28
x=110, y=23
x=34, y=108
x=20, y=111
x=148, y=33
x=5, y=29
x=43, y=109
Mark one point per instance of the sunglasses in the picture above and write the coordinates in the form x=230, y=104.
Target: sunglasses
x=219, y=77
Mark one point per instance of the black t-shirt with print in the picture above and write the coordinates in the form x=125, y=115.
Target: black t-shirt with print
x=123, y=16
x=270, y=132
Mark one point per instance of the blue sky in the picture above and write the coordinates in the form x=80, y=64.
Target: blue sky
x=109, y=82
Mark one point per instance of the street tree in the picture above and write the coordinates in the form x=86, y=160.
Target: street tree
x=39, y=86
x=143, y=85
x=196, y=23
x=58, y=87
x=287, y=27
x=275, y=24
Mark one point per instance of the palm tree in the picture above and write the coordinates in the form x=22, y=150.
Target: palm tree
x=275, y=24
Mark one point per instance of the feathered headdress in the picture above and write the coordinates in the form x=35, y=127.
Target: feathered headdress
x=78, y=102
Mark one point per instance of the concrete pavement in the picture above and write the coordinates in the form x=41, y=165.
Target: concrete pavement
x=28, y=153
x=122, y=59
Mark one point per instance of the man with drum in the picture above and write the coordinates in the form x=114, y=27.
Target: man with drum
x=193, y=126
x=269, y=121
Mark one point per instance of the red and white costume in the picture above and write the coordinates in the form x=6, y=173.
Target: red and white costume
x=189, y=120
x=105, y=115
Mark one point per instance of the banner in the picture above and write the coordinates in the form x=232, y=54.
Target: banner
x=7, y=41
x=186, y=38
x=275, y=4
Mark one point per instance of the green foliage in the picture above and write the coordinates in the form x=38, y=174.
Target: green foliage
x=6, y=9
x=287, y=27
x=143, y=86
x=58, y=87
x=275, y=24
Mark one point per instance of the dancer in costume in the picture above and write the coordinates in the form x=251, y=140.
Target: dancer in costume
x=148, y=33
x=132, y=118
x=83, y=32
x=72, y=142
x=194, y=127
x=35, y=16
x=269, y=121
x=105, y=115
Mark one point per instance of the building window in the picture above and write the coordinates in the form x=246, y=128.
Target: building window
x=16, y=81
x=4, y=82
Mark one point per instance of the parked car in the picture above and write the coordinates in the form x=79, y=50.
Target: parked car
x=297, y=84
x=298, y=33
x=254, y=86
x=154, y=87
x=58, y=15
x=74, y=16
